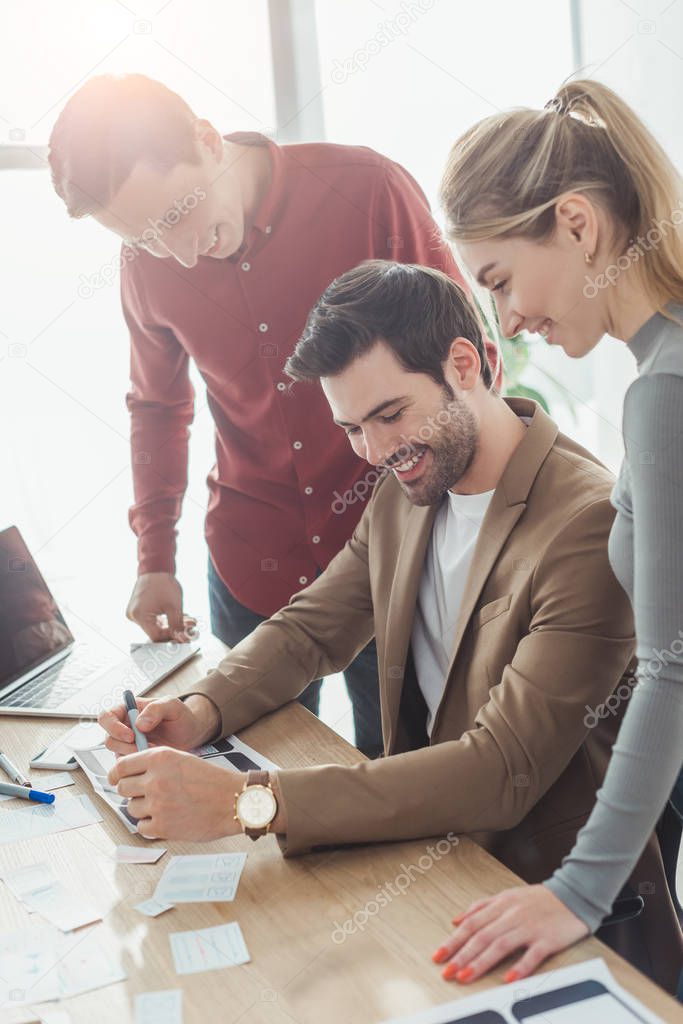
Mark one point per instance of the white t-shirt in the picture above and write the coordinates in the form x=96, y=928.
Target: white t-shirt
x=447, y=564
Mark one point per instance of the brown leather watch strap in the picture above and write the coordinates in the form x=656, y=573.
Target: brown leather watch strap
x=257, y=778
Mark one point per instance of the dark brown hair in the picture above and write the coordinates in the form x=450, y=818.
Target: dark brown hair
x=110, y=124
x=416, y=310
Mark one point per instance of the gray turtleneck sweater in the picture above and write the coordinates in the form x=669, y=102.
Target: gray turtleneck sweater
x=646, y=554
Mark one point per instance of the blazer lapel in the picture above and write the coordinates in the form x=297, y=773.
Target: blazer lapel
x=401, y=610
x=507, y=505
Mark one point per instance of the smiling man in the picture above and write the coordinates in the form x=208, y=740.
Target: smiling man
x=228, y=242
x=479, y=565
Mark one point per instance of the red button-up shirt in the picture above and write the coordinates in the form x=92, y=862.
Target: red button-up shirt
x=276, y=512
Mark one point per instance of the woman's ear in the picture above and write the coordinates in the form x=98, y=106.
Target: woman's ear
x=576, y=219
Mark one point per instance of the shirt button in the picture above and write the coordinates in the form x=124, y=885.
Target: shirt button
x=246, y=266
x=281, y=386
x=308, y=490
x=316, y=539
x=268, y=228
x=263, y=328
x=303, y=579
x=297, y=445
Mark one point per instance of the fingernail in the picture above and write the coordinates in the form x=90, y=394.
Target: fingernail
x=440, y=955
x=465, y=974
x=458, y=919
x=511, y=975
x=449, y=972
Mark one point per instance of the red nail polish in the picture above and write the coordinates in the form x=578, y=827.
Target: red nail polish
x=440, y=955
x=510, y=976
x=458, y=919
x=465, y=974
x=449, y=972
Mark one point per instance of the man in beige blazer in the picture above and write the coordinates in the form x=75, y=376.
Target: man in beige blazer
x=541, y=638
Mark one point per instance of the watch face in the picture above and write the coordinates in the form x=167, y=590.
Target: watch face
x=256, y=807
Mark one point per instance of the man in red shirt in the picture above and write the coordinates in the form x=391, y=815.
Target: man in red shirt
x=248, y=235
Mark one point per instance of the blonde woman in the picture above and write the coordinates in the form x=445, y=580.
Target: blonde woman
x=570, y=217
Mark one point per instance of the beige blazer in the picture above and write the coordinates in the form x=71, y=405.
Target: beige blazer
x=544, y=635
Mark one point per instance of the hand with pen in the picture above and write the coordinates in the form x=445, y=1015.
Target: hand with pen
x=172, y=793
x=164, y=722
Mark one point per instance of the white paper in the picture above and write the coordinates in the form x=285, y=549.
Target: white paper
x=53, y=1015
x=164, y=1007
x=62, y=908
x=41, y=964
x=139, y=854
x=205, y=877
x=83, y=736
x=209, y=949
x=47, y=784
x=37, y=886
x=616, y=1006
x=58, y=780
x=46, y=819
x=26, y=878
x=152, y=908
x=96, y=764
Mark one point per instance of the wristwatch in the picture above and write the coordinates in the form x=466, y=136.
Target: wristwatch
x=255, y=805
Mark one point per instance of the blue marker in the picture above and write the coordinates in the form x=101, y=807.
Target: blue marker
x=140, y=739
x=7, y=789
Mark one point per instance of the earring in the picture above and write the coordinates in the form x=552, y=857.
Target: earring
x=588, y=258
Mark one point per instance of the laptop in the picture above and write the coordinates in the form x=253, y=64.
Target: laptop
x=43, y=669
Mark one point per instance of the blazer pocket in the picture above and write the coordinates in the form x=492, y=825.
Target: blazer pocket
x=491, y=611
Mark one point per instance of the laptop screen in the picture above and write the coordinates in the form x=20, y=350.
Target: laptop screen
x=31, y=626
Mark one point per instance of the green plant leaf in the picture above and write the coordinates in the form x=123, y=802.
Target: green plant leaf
x=523, y=391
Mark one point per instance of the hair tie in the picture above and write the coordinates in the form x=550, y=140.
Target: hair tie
x=557, y=105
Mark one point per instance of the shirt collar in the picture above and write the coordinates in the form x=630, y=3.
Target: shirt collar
x=529, y=455
x=265, y=213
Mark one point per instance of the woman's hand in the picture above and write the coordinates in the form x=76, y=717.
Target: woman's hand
x=530, y=917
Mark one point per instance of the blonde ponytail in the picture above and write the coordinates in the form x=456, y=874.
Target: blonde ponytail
x=505, y=175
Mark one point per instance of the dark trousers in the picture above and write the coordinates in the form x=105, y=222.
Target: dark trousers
x=677, y=803
x=232, y=621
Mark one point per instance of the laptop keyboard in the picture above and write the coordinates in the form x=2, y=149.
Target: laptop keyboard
x=52, y=687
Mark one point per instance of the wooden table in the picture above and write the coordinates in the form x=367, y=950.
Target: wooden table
x=303, y=968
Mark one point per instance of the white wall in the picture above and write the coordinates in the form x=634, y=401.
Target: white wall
x=64, y=465
x=639, y=54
